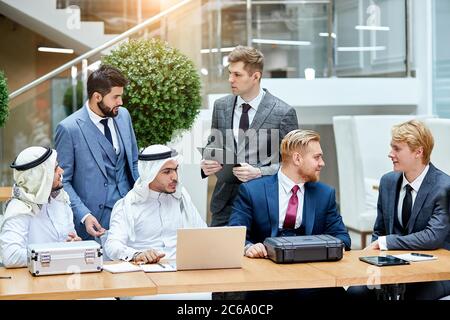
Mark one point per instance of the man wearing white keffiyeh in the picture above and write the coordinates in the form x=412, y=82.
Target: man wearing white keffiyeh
x=39, y=210
x=143, y=226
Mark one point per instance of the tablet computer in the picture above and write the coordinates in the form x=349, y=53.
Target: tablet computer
x=382, y=261
x=216, y=154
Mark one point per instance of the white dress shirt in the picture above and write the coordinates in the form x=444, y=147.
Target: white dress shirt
x=51, y=224
x=155, y=221
x=285, y=186
x=415, y=185
x=96, y=120
x=251, y=112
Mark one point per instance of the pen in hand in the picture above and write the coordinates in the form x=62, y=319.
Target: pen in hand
x=5, y=277
x=161, y=265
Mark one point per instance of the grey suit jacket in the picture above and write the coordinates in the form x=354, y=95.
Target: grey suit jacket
x=428, y=227
x=274, y=115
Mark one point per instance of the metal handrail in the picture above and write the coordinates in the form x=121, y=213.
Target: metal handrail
x=94, y=51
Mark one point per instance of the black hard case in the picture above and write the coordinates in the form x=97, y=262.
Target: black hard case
x=304, y=248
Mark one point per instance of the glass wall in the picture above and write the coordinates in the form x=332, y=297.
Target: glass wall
x=441, y=58
x=345, y=38
x=318, y=38
x=370, y=38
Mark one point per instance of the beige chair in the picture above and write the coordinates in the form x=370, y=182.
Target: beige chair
x=440, y=156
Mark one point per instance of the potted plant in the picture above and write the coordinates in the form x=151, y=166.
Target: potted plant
x=163, y=96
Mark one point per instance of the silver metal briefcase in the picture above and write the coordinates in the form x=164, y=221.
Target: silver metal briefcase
x=64, y=257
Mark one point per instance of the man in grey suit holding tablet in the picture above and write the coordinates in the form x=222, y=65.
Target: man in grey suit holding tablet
x=249, y=126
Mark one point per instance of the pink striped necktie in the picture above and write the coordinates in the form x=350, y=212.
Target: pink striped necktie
x=291, y=212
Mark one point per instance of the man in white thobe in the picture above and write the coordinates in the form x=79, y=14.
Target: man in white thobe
x=144, y=224
x=39, y=210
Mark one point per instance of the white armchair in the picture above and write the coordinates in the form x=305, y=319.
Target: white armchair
x=362, y=146
x=440, y=157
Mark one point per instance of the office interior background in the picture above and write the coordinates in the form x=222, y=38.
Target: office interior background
x=351, y=68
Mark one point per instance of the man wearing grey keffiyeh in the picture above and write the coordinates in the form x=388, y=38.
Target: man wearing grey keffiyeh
x=39, y=210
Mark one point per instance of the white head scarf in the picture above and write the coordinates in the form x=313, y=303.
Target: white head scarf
x=33, y=186
x=148, y=170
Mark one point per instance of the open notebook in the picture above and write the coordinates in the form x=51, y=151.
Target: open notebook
x=121, y=267
x=414, y=258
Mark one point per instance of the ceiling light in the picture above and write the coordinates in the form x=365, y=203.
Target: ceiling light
x=372, y=28
x=282, y=42
x=55, y=50
x=214, y=50
x=350, y=49
x=325, y=34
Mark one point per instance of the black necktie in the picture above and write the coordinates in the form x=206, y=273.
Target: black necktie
x=108, y=136
x=244, y=122
x=406, y=207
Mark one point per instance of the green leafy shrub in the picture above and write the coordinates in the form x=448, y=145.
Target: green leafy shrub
x=4, y=98
x=163, y=95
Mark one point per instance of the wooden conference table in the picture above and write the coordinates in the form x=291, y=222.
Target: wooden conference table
x=256, y=274
x=263, y=274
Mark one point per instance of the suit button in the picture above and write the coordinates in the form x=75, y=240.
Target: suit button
x=100, y=206
x=105, y=184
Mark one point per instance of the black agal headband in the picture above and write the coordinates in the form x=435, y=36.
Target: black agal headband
x=32, y=164
x=157, y=156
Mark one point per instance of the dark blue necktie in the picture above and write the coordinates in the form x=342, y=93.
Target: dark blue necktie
x=108, y=136
x=243, y=122
x=406, y=207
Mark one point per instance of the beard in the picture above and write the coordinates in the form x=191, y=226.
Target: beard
x=310, y=177
x=56, y=191
x=106, y=111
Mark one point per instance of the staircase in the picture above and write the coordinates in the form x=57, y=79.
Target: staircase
x=62, y=26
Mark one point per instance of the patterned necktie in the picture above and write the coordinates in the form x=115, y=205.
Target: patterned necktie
x=406, y=207
x=291, y=212
x=108, y=136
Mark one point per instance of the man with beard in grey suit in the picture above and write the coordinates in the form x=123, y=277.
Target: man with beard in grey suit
x=249, y=126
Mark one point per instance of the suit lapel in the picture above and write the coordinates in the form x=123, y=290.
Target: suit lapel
x=124, y=134
x=392, y=201
x=273, y=204
x=264, y=109
x=229, y=112
x=309, y=208
x=89, y=130
x=424, y=190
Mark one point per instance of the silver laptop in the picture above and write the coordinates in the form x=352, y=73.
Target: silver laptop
x=210, y=248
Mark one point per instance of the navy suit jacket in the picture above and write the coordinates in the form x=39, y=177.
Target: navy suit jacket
x=428, y=227
x=256, y=207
